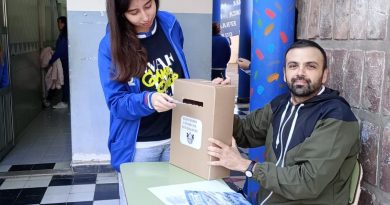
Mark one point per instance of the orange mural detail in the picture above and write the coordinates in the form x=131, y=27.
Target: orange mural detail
x=273, y=77
x=268, y=29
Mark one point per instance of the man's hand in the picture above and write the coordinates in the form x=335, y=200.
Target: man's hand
x=243, y=63
x=162, y=102
x=228, y=156
x=221, y=81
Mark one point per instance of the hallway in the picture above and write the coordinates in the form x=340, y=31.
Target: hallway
x=47, y=139
x=37, y=170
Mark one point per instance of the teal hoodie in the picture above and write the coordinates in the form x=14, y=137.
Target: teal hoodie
x=125, y=100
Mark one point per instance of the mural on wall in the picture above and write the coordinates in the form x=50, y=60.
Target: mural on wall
x=272, y=34
x=273, y=24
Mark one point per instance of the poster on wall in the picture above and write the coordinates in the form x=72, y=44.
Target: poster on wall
x=230, y=17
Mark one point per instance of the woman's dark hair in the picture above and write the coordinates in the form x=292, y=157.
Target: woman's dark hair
x=303, y=43
x=128, y=55
x=216, y=28
x=62, y=19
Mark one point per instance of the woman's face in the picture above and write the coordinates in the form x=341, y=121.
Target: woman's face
x=60, y=25
x=141, y=14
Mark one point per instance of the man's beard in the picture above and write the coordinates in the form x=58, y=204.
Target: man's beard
x=302, y=90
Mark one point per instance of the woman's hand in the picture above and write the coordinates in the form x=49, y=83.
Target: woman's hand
x=221, y=81
x=162, y=102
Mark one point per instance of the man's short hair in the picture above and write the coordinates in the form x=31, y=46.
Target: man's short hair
x=216, y=28
x=307, y=43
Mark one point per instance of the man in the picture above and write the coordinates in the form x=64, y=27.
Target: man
x=221, y=53
x=310, y=134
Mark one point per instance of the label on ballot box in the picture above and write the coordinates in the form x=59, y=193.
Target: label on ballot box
x=191, y=132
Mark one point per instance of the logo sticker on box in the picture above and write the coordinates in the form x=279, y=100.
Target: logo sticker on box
x=191, y=132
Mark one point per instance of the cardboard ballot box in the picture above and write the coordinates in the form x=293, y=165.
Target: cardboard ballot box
x=207, y=111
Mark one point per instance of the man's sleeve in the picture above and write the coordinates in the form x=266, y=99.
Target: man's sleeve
x=60, y=50
x=319, y=160
x=252, y=130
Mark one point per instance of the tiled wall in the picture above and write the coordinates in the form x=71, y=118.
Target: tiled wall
x=355, y=34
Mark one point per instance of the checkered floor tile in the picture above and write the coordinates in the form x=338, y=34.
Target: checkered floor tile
x=101, y=188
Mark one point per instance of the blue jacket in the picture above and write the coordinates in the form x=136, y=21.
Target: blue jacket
x=220, y=51
x=4, y=77
x=125, y=100
x=61, y=51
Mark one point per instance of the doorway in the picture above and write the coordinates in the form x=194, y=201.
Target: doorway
x=36, y=136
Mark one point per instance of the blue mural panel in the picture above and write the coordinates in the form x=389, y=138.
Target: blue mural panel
x=273, y=24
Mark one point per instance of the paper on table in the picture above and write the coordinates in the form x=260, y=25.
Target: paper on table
x=175, y=194
x=215, y=198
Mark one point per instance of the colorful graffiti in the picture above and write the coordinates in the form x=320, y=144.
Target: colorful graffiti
x=272, y=33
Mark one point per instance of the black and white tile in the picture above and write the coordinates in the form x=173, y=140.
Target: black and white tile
x=100, y=188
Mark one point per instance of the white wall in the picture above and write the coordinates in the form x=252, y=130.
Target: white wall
x=89, y=114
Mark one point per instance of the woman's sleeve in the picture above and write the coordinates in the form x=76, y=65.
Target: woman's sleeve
x=121, y=101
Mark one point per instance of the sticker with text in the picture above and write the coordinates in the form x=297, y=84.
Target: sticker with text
x=191, y=132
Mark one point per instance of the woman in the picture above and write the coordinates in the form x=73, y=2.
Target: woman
x=61, y=52
x=139, y=58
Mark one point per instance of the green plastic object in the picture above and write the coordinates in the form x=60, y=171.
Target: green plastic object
x=356, y=178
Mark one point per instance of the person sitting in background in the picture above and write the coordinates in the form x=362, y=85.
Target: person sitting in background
x=54, y=78
x=220, y=53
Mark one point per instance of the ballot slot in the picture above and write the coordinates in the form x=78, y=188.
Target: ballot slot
x=192, y=102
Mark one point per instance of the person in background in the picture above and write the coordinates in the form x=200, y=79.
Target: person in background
x=61, y=52
x=311, y=137
x=220, y=53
